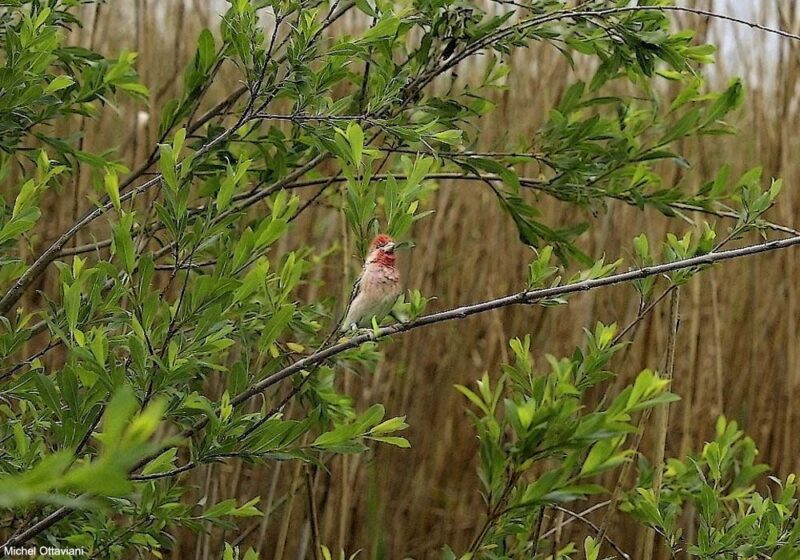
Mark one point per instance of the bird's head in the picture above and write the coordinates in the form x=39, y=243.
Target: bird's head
x=382, y=242
x=381, y=250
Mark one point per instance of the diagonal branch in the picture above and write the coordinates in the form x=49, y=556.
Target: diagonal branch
x=520, y=298
x=545, y=187
x=559, y=15
x=290, y=183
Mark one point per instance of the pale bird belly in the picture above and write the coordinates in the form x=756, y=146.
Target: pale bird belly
x=378, y=309
x=378, y=292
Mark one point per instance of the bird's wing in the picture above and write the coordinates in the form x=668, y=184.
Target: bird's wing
x=353, y=294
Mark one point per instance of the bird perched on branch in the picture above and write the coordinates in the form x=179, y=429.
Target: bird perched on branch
x=377, y=289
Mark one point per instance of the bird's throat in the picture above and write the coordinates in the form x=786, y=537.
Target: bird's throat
x=385, y=259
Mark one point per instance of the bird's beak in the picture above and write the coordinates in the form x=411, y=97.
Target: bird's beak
x=389, y=247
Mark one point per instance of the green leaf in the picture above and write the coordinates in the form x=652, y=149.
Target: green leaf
x=475, y=399
x=111, y=183
x=25, y=197
x=228, y=186
x=49, y=393
x=392, y=440
x=162, y=463
x=451, y=137
x=603, y=456
x=248, y=509
x=355, y=137
x=372, y=416
x=117, y=415
x=168, y=167
x=680, y=129
x=390, y=425
x=178, y=141
x=591, y=548
x=102, y=477
x=387, y=27
x=338, y=435
x=365, y=7
x=276, y=324
x=206, y=48
x=122, y=246
x=220, y=509
x=59, y=83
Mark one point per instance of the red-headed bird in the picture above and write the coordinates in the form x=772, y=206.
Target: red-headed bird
x=377, y=289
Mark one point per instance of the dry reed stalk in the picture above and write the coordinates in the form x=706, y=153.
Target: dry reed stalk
x=719, y=400
x=296, y=483
x=661, y=415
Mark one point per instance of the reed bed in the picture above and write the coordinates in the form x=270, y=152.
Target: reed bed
x=736, y=350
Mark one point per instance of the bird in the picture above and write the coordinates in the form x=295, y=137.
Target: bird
x=377, y=288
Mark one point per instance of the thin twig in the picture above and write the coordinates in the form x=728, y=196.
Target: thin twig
x=584, y=513
x=580, y=517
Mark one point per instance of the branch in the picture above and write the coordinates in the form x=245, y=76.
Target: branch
x=662, y=417
x=543, y=186
x=541, y=158
x=584, y=513
x=585, y=521
x=484, y=42
x=705, y=13
x=290, y=183
x=308, y=117
x=312, y=512
x=525, y=297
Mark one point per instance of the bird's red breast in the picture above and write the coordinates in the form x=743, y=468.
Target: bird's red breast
x=384, y=259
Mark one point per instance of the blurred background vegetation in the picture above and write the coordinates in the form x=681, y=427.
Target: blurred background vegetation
x=737, y=347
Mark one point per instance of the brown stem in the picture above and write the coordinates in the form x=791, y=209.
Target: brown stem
x=312, y=513
x=662, y=415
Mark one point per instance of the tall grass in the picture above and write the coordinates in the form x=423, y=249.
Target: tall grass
x=736, y=349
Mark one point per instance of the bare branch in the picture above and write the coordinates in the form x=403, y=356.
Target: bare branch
x=521, y=298
x=580, y=517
